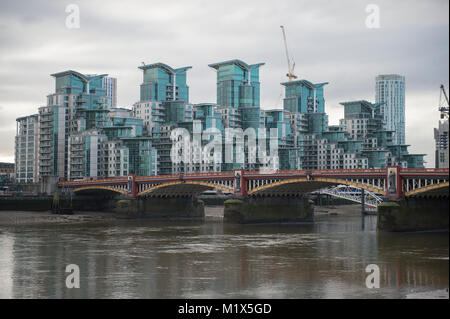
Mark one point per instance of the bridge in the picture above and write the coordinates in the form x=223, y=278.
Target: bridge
x=278, y=196
x=369, y=200
x=393, y=182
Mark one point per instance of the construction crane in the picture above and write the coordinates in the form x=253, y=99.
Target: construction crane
x=290, y=75
x=442, y=108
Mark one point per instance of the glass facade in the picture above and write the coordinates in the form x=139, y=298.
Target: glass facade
x=304, y=97
x=237, y=84
x=390, y=90
x=163, y=83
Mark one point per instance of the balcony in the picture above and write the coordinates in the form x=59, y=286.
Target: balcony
x=45, y=125
x=45, y=119
x=45, y=157
x=77, y=142
x=45, y=131
x=158, y=107
x=76, y=176
x=45, y=138
x=44, y=164
x=44, y=151
x=81, y=99
x=45, y=147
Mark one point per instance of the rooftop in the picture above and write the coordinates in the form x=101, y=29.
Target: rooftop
x=382, y=77
x=85, y=78
x=364, y=102
x=237, y=62
x=163, y=66
x=26, y=117
x=306, y=83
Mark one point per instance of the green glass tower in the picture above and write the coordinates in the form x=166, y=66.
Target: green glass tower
x=237, y=83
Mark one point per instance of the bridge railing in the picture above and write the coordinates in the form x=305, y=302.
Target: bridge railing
x=276, y=172
x=184, y=176
x=437, y=170
x=124, y=179
x=350, y=171
x=93, y=181
x=443, y=171
x=319, y=172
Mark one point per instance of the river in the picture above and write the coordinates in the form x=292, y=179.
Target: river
x=182, y=259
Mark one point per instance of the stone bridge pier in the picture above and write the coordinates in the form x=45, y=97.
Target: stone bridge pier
x=273, y=209
x=417, y=202
x=419, y=213
x=167, y=208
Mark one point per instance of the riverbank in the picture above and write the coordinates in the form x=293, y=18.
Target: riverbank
x=348, y=210
x=212, y=213
x=24, y=218
x=45, y=203
x=89, y=203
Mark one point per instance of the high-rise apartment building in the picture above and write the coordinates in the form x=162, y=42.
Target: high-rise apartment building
x=390, y=90
x=27, y=149
x=79, y=134
x=164, y=83
x=164, y=101
x=441, y=140
x=238, y=101
x=164, y=96
x=110, y=86
x=83, y=154
x=237, y=83
x=79, y=103
x=304, y=97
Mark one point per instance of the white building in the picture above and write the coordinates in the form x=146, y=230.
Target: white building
x=390, y=90
x=83, y=158
x=110, y=85
x=114, y=159
x=151, y=112
x=27, y=149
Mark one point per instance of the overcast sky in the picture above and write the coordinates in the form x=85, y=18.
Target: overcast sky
x=328, y=40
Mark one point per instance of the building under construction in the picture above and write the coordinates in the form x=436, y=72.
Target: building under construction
x=441, y=133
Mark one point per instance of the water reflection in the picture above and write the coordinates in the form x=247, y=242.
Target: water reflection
x=146, y=259
x=6, y=268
